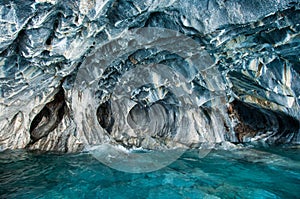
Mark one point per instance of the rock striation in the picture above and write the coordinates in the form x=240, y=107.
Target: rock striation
x=254, y=73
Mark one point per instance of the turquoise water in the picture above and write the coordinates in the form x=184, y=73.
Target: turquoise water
x=243, y=173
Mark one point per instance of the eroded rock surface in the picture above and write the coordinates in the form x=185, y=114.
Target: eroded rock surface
x=254, y=53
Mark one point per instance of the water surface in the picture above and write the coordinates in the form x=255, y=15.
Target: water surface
x=242, y=173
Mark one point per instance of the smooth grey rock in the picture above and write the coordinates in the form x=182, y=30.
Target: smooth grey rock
x=254, y=46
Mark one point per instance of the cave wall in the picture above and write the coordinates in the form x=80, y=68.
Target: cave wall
x=254, y=45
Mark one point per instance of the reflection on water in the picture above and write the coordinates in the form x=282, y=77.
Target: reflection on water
x=242, y=173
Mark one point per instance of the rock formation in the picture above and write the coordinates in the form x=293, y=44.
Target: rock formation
x=251, y=92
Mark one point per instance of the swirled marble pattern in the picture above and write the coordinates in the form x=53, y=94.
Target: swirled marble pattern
x=254, y=53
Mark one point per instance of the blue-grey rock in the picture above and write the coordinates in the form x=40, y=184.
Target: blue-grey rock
x=253, y=48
